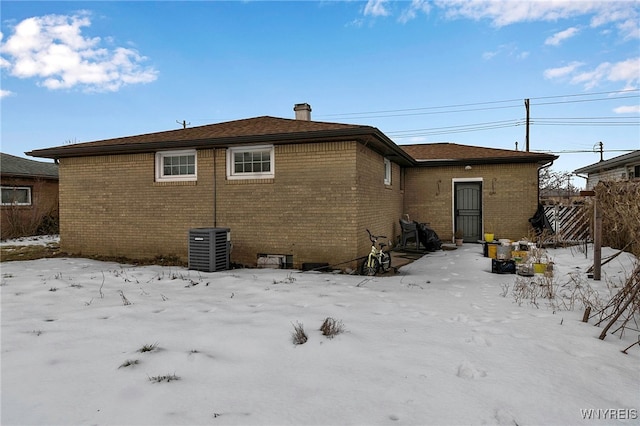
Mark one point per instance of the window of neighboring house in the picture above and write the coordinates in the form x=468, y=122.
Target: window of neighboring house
x=387, y=172
x=176, y=165
x=250, y=162
x=16, y=196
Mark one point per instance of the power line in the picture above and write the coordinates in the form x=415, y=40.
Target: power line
x=588, y=100
x=401, y=134
x=581, y=151
x=491, y=125
x=466, y=107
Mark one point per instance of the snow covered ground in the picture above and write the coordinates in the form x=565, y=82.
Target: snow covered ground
x=442, y=342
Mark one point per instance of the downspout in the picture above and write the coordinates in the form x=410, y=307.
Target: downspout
x=539, y=169
x=215, y=191
x=586, y=179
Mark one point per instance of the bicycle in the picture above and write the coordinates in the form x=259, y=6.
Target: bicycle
x=377, y=259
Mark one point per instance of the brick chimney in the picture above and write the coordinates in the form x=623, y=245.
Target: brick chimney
x=303, y=111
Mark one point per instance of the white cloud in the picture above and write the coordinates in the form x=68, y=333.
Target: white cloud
x=560, y=72
x=509, y=49
x=5, y=93
x=376, y=8
x=590, y=79
x=53, y=49
x=627, y=72
x=416, y=6
x=561, y=36
x=623, y=14
x=489, y=55
x=628, y=109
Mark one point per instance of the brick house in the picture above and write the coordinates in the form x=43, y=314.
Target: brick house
x=29, y=195
x=302, y=189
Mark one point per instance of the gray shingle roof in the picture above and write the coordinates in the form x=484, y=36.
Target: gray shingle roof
x=256, y=130
x=267, y=129
x=612, y=163
x=11, y=165
x=451, y=153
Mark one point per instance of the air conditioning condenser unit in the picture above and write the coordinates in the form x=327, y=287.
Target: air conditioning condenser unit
x=209, y=249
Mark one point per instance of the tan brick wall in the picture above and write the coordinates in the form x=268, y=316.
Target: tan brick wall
x=110, y=205
x=307, y=210
x=380, y=206
x=315, y=209
x=509, y=197
x=24, y=220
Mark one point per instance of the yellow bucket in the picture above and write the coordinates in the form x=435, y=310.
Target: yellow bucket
x=539, y=268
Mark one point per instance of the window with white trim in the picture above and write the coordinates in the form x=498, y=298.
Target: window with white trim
x=387, y=172
x=250, y=162
x=176, y=165
x=16, y=196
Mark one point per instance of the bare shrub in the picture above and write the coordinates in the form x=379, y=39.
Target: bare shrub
x=298, y=336
x=330, y=327
x=575, y=293
x=41, y=217
x=129, y=363
x=165, y=378
x=288, y=280
x=148, y=348
x=620, y=214
x=125, y=301
x=623, y=309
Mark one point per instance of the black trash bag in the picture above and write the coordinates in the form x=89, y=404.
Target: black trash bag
x=428, y=237
x=539, y=221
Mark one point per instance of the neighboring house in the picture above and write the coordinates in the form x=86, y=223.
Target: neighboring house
x=564, y=197
x=29, y=195
x=621, y=168
x=301, y=189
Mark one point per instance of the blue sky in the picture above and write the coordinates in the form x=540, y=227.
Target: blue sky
x=420, y=71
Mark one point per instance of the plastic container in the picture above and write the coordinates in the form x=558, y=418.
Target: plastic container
x=492, y=250
x=503, y=252
x=539, y=268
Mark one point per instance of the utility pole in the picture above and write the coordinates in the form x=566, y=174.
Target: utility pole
x=601, y=150
x=526, y=106
x=184, y=123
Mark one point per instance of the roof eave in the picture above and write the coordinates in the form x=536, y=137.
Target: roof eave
x=612, y=163
x=28, y=176
x=364, y=134
x=477, y=161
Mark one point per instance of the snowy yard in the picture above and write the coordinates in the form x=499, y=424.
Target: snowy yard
x=442, y=342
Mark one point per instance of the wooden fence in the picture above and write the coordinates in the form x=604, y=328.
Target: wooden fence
x=569, y=223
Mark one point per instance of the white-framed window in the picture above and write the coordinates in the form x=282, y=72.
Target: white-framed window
x=387, y=171
x=250, y=162
x=176, y=165
x=16, y=196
